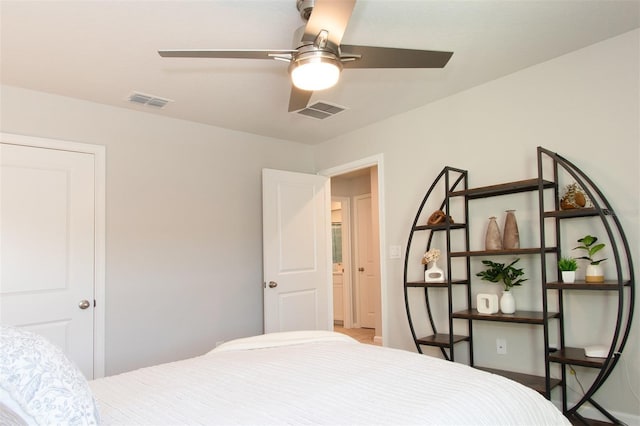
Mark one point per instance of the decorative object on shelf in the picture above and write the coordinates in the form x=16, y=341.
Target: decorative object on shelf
x=507, y=303
x=510, y=277
x=511, y=237
x=438, y=217
x=492, y=239
x=568, y=267
x=487, y=303
x=573, y=197
x=432, y=274
x=596, y=351
x=594, y=273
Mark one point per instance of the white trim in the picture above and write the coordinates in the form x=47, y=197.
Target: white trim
x=99, y=153
x=347, y=315
x=357, y=283
x=378, y=161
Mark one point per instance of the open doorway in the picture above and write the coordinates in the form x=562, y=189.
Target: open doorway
x=356, y=254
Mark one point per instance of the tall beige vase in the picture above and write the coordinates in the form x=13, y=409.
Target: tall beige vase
x=511, y=238
x=492, y=240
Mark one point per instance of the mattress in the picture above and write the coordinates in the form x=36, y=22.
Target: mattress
x=326, y=378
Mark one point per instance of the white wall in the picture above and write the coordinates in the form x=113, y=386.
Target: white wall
x=583, y=105
x=184, y=222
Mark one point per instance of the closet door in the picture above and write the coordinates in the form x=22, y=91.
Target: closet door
x=47, y=236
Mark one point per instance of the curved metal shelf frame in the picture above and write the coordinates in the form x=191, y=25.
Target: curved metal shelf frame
x=455, y=182
x=445, y=177
x=623, y=262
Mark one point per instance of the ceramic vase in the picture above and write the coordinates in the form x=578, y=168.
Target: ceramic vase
x=492, y=240
x=594, y=274
x=434, y=274
x=568, y=277
x=507, y=303
x=511, y=238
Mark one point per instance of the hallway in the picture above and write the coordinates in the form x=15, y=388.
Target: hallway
x=362, y=335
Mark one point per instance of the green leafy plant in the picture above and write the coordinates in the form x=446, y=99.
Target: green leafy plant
x=589, y=245
x=567, y=264
x=496, y=272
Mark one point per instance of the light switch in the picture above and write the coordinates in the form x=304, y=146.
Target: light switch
x=395, y=252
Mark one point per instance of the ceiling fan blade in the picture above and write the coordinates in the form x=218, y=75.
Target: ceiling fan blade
x=226, y=53
x=330, y=15
x=389, y=57
x=298, y=99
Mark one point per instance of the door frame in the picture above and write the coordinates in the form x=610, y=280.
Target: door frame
x=357, y=232
x=99, y=155
x=378, y=161
x=347, y=281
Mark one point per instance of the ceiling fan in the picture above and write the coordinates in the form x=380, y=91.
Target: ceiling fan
x=318, y=57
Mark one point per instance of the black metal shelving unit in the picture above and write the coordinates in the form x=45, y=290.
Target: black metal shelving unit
x=452, y=184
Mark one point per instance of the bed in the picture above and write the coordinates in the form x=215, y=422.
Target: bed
x=295, y=378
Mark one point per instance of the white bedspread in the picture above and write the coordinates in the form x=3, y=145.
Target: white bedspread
x=326, y=378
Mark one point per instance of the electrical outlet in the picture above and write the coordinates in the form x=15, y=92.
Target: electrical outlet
x=501, y=346
x=395, y=252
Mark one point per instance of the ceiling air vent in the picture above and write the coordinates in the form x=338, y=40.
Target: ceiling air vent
x=321, y=110
x=149, y=100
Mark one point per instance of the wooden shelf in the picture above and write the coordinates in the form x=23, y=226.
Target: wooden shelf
x=440, y=227
x=441, y=340
x=536, y=383
x=566, y=214
x=527, y=185
x=534, y=250
x=609, y=285
x=425, y=284
x=444, y=284
x=576, y=356
x=523, y=317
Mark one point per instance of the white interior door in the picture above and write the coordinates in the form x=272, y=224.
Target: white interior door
x=367, y=267
x=47, y=246
x=296, y=251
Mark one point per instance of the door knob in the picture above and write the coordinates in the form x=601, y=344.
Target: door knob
x=84, y=304
x=273, y=284
x=361, y=269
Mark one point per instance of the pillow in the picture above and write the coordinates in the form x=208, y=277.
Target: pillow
x=39, y=384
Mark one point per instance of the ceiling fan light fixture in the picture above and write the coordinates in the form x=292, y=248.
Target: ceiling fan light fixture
x=315, y=70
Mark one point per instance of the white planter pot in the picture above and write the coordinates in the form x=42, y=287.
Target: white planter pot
x=568, y=276
x=507, y=303
x=594, y=274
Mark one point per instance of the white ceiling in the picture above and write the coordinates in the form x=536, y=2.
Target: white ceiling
x=101, y=51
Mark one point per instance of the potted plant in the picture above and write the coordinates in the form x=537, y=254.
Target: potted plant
x=594, y=272
x=510, y=277
x=568, y=267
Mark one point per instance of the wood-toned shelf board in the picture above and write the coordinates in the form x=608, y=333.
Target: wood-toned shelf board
x=441, y=340
x=526, y=317
x=536, y=383
x=440, y=227
x=533, y=250
x=565, y=214
x=576, y=356
x=610, y=285
x=425, y=284
x=444, y=284
x=526, y=185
